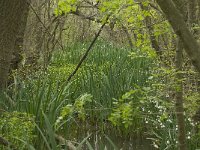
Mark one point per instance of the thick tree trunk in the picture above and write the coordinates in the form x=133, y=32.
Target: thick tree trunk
x=18, y=49
x=33, y=41
x=10, y=16
x=177, y=22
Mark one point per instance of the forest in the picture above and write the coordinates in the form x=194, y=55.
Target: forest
x=99, y=74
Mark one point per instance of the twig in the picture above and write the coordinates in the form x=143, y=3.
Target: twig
x=40, y=20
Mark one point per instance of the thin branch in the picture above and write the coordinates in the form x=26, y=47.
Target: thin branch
x=92, y=18
x=40, y=20
x=87, y=52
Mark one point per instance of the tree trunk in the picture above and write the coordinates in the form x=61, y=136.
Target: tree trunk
x=192, y=16
x=198, y=12
x=179, y=97
x=34, y=34
x=10, y=16
x=179, y=90
x=128, y=36
x=19, y=45
x=177, y=22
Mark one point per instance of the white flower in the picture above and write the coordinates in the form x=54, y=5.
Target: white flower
x=155, y=145
x=169, y=120
x=60, y=118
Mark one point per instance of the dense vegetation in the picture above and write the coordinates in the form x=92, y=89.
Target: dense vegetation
x=99, y=75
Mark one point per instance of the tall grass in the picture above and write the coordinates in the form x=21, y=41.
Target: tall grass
x=107, y=73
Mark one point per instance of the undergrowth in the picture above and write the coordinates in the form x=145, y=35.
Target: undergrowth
x=114, y=95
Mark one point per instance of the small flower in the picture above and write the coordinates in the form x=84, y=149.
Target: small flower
x=189, y=119
x=57, y=121
x=163, y=126
x=155, y=145
x=60, y=118
x=169, y=120
x=192, y=124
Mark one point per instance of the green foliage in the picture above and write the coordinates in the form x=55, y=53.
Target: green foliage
x=78, y=108
x=108, y=73
x=66, y=6
x=16, y=126
x=80, y=103
x=126, y=111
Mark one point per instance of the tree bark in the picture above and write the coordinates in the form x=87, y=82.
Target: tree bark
x=179, y=97
x=177, y=22
x=18, y=48
x=192, y=16
x=179, y=90
x=34, y=34
x=10, y=16
x=198, y=12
